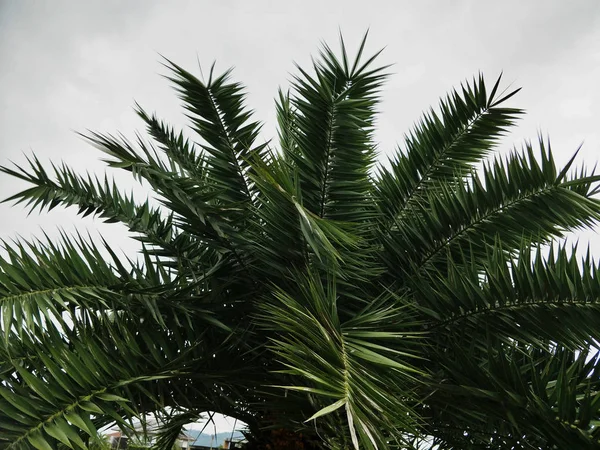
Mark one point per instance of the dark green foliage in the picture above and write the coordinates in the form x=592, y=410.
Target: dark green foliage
x=430, y=303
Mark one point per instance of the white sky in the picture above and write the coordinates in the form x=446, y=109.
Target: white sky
x=220, y=422
x=72, y=65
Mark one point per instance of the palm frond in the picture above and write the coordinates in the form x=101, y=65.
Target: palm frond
x=511, y=200
x=520, y=397
x=444, y=148
x=219, y=116
x=432, y=305
x=193, y=202
x=334, y=158
x=91, y=196
x=533, y=299
x=76, y=383
x=332, y=361
x=287, y=128
x=183, y=155
x=40, y=283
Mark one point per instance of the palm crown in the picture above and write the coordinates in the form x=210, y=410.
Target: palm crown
x=297, y=287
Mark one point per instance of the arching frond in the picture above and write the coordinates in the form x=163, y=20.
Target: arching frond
x=91, y=196
x=536, y=300
x=41, y=283
x=181, y=153
x=519, y=397
x=443, y=148
x=513, y=199
x=76, y=384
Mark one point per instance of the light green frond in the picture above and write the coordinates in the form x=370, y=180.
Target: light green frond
x=332, y=360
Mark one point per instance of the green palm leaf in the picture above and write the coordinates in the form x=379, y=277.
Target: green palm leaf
x=443, y=148
x=334, y=358
x=334, y=158
x=76, y=382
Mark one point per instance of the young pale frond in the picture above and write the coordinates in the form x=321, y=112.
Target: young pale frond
x=291, y=235
x=333, y=360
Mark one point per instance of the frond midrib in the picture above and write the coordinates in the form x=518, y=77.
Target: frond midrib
x=425, y=177
x=481, y=219
x=328, y=148
x=57, y=289
x=516, y=305
x=103, y=206
x=230, y=145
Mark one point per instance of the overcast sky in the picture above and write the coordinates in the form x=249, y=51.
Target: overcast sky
x=72, y=65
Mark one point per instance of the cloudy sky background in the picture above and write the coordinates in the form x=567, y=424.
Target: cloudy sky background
x=69, y=66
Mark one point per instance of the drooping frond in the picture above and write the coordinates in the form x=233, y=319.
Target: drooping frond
x=76, y=383
x=517, y=398
x=41, y=283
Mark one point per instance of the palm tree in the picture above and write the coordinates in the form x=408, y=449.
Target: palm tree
x=429, y=302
